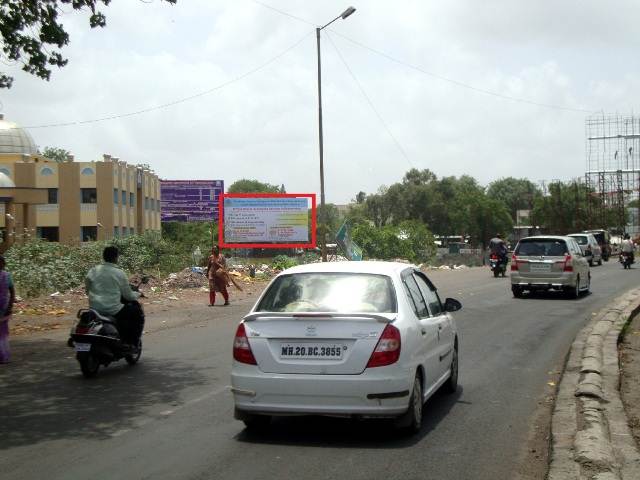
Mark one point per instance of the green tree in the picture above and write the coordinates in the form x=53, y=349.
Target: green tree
x=30, y=28
x=514, y=193
x=54, y=153
x=253, y=186
x=566, y=208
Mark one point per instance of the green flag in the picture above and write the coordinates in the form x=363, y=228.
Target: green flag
x=351, y=250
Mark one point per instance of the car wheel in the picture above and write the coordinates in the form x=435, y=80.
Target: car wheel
x=600, y=261
x=591, y=263
x=256, y=422
x=574, y=292
x=517, y=292
x=587, y=290
x=412, y=419
x=452, y=383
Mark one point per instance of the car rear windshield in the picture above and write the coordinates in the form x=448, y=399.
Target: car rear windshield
x=330, y=292
x=581, y=239
x=548, y=247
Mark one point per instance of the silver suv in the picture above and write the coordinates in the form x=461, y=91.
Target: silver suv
x=547, y=262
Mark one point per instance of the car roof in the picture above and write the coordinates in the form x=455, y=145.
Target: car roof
x=374, y=267
x=546, y=237
x=583, y=234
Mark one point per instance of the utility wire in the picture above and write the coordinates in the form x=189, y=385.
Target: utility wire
x=368, y=99
x=431, y=74
x=180, y=100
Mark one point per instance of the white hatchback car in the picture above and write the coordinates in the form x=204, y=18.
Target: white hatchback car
x=355, y=339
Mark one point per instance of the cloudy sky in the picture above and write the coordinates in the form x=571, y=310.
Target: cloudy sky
x=387, y=103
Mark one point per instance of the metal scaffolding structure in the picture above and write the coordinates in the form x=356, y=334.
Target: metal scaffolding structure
x=613, y=170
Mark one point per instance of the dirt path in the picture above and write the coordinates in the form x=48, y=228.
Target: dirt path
x=630, y=376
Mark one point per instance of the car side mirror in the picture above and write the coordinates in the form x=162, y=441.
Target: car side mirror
x=452, y=305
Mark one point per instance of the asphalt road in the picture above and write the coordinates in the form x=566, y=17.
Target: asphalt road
x=171, y=415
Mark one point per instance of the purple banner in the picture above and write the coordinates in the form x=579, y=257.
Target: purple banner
x=190, y=200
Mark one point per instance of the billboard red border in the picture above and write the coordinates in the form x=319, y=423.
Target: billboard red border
x=223, y=244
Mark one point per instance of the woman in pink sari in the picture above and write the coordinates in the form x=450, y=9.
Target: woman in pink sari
x=7, y=297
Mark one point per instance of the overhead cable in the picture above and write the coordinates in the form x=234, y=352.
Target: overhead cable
x=443, y=78
x=177, y=101
x=368, y=99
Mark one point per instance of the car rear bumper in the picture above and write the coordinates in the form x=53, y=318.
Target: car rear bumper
x=540, y=283
x=374, y=393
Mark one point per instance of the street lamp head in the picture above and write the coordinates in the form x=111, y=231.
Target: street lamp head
x=347, y=12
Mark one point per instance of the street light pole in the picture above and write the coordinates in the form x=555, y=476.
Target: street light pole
x=323, y=236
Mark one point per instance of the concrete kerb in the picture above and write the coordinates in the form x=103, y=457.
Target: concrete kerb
x=590, y=435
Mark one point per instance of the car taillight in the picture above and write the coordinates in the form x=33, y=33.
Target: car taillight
x=568, y=263
x=388, y=348
x=514, y=263
x=241, y=348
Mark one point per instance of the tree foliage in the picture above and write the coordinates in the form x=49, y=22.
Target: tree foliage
x=54, y=153
x=33, y=35
x=515, y=193
x=254, y=186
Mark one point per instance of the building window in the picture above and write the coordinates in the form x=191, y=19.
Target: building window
x=158, y=206
x=132, y=231
x=132, y=199
x=51, y=234
x=116, y=232
x=146, y=203
x=5, y=171
x=53, y=196
x=124, y=198
x=46, y=171
x=115, y=196
x=88, y=195
x=89, y=234
x=87, y=171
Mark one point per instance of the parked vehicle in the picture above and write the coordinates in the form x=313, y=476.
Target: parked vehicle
x=498, y=265
x=589, y=246
x=549, y=263
x=96, y=340
x=352, y=339
x=604, y=240
x=626, y=260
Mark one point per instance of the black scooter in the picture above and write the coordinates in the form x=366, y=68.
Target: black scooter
x=498, y=265
x=96, y=340
x=626, y=260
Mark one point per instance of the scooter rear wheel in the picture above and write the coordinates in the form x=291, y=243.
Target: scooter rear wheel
x=89, y=365
x=133, y=358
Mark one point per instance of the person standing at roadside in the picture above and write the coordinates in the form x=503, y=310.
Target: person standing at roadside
x=7, y=297
x=217, y=275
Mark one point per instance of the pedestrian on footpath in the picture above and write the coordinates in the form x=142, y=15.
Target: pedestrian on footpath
x=7, y=297
x=217, y=275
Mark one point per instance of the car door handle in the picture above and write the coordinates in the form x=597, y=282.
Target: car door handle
x=424, y=331
x=439, y=326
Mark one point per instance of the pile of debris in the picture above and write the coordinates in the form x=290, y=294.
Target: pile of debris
x=187, y=278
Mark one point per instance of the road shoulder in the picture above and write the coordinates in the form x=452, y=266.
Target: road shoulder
x=590, y=433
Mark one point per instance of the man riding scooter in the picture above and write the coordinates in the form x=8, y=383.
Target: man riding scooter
x=627, y=249
x=498, y=249
x=110, y=294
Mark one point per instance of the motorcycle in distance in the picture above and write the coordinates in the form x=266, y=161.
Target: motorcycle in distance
x=625, y=260
x=498, y=265
x=96, y=340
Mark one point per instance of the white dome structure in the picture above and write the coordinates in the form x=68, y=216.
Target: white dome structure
x=14, y=139
x=5, y=181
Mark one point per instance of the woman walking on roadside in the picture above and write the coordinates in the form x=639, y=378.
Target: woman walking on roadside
x=217, y=275
x=7, y=297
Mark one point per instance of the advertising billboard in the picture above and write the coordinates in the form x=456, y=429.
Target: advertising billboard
x=267, y=220
x=190, y=200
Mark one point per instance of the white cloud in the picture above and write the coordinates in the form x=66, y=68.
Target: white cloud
x=576, y=54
